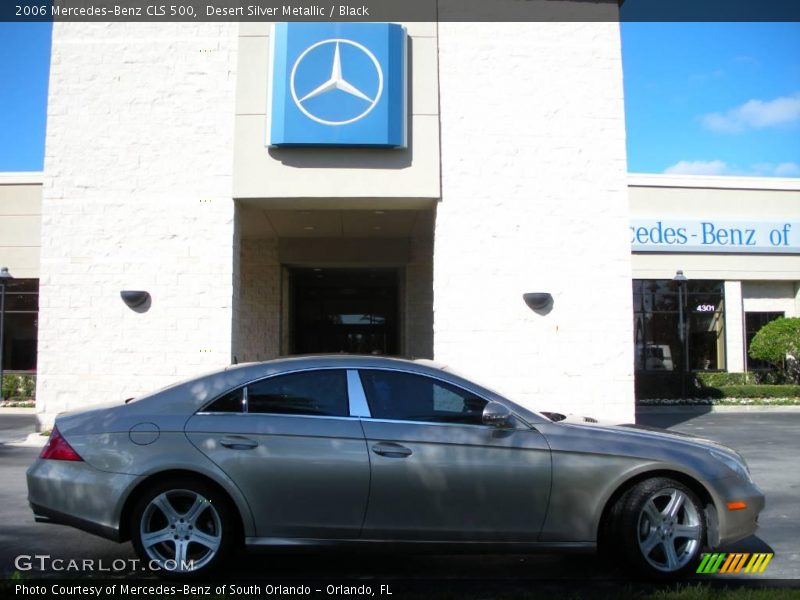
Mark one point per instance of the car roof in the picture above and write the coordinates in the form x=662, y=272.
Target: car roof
x=336, y=359
x=180, y=400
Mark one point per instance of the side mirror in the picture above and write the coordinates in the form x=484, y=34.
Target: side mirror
x=496, y=415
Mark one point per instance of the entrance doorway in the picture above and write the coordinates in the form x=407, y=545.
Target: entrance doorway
x=344, y=310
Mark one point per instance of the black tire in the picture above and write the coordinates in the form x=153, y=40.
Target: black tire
x=659, y=527
x=186, y=518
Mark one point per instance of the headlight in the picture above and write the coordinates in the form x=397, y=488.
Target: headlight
x=737, y=466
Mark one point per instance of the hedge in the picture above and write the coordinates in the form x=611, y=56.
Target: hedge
x=719, y=378
x=751, y=391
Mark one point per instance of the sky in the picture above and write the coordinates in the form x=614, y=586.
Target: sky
x=24, y=69
x=712, y=98
x=700, y=98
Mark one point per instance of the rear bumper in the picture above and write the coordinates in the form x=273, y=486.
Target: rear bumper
x=76, y=494
x=48, y=515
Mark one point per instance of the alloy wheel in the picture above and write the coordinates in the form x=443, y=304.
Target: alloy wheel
x=180, y=530
x=669, y=530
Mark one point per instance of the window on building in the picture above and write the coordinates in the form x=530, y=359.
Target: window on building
x=21, y=325
x=321, y=393
x=753, y=322
x=409, y=397
x=676, y=328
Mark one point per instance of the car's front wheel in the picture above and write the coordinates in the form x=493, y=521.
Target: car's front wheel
x=182, y=528
x=659, y=525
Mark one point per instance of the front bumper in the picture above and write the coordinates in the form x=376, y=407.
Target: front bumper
x=734, y=525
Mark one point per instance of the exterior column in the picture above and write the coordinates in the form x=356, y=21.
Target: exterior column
x=734, y=327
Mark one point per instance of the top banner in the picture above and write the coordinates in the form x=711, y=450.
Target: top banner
x=400, y=10
x=715, y=235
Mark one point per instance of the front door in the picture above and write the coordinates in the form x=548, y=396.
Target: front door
x=439, y=474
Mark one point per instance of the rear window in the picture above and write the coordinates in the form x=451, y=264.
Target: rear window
x=321, y=393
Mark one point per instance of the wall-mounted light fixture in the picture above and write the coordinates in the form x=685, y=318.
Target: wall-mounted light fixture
x=137, y=300
x=539, y=302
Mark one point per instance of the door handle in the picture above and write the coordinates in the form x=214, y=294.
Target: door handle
x=391, y=450
x=237, y=442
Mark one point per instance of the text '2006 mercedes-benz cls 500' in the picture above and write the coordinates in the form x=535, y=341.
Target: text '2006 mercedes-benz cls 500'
x=371, y=451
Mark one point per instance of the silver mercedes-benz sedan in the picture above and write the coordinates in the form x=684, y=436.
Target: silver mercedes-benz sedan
x=368, y=451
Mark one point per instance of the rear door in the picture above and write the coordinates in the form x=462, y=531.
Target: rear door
x=439, y=474
x=290, y=445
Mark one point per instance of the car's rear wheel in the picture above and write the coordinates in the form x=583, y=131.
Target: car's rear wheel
x=659, y=525
x=183, y=528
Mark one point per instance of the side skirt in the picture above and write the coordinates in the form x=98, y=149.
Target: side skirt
x=278, y=543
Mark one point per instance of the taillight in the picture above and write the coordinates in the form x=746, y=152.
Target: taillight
x=57, y=448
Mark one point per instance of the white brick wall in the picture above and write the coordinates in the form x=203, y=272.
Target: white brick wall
x=137, y=195
x=534, y=199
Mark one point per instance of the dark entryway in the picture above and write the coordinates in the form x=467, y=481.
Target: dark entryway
x=344, y=310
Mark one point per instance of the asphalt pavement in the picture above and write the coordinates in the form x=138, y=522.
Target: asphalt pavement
x=768, y=441
x=16, y=424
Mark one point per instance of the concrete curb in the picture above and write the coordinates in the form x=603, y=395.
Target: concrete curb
x=34, y=440
x=17, y=411
x=703, y=409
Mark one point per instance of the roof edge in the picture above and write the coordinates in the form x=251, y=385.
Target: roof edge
x=713, y=181
x=21, y=177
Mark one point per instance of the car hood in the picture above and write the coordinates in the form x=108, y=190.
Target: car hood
x=645, y=431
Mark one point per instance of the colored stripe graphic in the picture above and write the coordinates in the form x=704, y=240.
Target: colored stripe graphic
x=734, y=562
x=759, y=562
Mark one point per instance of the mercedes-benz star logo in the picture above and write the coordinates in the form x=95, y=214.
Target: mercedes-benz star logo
x=337, y=81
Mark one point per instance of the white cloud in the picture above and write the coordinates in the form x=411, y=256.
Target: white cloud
x=784, y=169
x=755, y=114
x=720, y=167
x=697, y=167
x=787, y=169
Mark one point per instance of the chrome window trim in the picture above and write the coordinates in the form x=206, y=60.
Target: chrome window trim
x=357, y=398
x=436, y=423
x=276, y=415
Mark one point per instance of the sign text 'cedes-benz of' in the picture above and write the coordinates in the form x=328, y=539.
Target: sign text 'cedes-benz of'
x=672, y=235
x=338, y=84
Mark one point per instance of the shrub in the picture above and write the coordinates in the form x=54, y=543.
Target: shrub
x=770, y=376
x=19, y=387
x=778, y=342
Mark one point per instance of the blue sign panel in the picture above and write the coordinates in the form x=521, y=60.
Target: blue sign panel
x=338, y=84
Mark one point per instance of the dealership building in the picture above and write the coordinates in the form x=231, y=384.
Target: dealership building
x=223, y=192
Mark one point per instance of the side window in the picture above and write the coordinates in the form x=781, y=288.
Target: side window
x=232, y=402
x=321, y=393
x=409, y=397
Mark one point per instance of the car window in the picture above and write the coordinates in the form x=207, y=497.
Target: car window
x=410, y=397
x=230, y=402
x=322, y=393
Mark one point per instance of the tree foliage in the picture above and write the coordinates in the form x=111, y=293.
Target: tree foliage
x=777, y=342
